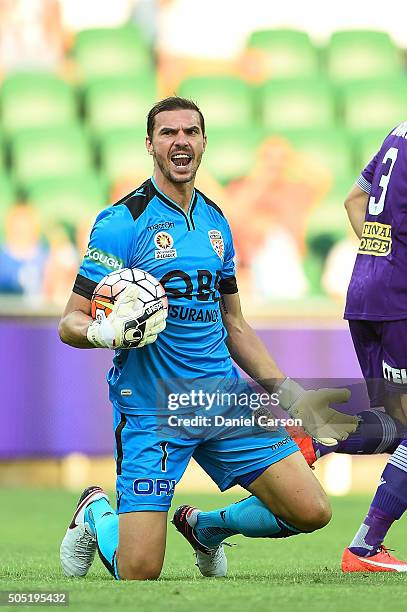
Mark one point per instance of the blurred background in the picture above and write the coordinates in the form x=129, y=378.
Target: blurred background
x=296, y=101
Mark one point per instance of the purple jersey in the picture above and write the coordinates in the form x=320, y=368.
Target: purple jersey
x=378, y=287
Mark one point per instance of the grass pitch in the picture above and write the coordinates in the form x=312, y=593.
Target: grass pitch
x=296, y=574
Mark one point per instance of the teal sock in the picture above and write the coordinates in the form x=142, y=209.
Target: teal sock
x=249, y=517
x=104, y=525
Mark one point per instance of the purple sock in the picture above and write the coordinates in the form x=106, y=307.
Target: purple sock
x=388, y=505
x=377, y=433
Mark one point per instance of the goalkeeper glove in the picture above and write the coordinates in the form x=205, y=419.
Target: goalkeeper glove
x=312, y=407
x=130, y=324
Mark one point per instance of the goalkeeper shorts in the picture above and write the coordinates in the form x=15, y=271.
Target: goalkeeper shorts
x=150, y=463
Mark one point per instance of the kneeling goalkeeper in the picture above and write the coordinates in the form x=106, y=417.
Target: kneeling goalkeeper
x=177, y=234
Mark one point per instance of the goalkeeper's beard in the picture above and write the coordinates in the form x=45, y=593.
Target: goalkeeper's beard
x=165, y=169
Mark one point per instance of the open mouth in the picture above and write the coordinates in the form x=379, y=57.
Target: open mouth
x=181, y=159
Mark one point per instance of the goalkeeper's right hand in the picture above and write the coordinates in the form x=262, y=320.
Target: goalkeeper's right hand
x=312, y=407
x=130, y=324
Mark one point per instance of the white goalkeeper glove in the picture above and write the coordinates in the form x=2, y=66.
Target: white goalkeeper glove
x=130, y=324
x=318, y=419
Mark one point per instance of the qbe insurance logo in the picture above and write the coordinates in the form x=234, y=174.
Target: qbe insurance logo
x=164, y=243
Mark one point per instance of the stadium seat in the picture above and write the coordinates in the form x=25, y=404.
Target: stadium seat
x=326, y=225
x=231, y=153
x=331, y=148
x=111, y=52
x=362, y=54
x=7, y=198
x=367, y=145
x=39, y=154
x=123, y=154
x=334, y=200
x=61, y=200
x=30, y=100
x=119, y=103
x=225, y=101
x=376, y=104
x=298, y=103
x=2, y=151
x=288, y=53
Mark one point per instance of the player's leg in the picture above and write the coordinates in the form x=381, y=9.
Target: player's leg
x=366, y=551
x=131, y=545
x=268, y=467
x=390, y=500
x=286, y=500
x=131, y=542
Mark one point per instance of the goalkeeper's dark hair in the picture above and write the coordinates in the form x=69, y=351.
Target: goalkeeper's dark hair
x=170, y=104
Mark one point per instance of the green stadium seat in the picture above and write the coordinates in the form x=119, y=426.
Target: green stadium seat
x=111, y=52
x=61, y=200
x=119, y=103
x=367, y=145
x=291, y=53
x=2, y=152
x=362, y=54
x=231, y=153
x=225, y=101
x=374, y=105
x=298, y=103
x=123, y=154
x=31, y=100
x=39, y=154
x=330, y=148
x=7, y=198
x=326, y=225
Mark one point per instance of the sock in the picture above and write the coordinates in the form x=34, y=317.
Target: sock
x=249, y=517
x=388, y=505
x=377, y=433
x=104, y=525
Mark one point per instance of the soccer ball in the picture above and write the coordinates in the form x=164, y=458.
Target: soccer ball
x=111, y=286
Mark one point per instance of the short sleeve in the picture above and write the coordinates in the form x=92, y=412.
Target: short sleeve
x=228, y=274
x=109, y=248
x=365, y=179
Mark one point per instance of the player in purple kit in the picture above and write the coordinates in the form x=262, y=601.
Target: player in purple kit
x=376, y=308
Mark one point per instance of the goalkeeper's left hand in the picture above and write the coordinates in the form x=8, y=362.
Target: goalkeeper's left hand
x=312, y=407
x=130, y=324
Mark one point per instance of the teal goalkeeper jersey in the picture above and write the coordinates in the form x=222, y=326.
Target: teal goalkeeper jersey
x=192, y=255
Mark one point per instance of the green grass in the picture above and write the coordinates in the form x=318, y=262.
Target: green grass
x=295, y=574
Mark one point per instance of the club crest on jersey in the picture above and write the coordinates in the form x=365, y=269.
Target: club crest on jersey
x=164, y=243
x=217, y=243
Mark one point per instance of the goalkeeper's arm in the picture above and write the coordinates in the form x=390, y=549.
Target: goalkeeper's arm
x=75, y=321
x=128, y=325
x=312, y=407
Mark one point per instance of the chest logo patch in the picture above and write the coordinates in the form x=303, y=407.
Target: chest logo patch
x=217, y=243
x=164, y=243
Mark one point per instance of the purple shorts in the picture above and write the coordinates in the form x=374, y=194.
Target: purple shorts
x=381, y=348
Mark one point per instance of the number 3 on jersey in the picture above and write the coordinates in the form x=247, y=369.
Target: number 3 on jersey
x=375, y=208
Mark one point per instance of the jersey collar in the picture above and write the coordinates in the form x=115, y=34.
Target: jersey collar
x=172, y=204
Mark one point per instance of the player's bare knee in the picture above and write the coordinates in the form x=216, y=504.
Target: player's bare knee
x=316, y=515
x=139, y=570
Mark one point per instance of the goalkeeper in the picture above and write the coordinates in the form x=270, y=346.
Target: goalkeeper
x=174, y=232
